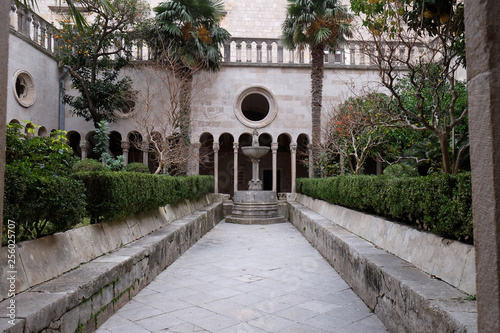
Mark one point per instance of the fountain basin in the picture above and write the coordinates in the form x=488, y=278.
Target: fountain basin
x=255, y=207
x=255, y=152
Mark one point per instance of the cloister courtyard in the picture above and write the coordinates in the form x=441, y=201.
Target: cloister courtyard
x=132, y=201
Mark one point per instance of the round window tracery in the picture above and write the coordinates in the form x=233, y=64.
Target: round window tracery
x=128, y=108
x=255, y=107
x=24, y=88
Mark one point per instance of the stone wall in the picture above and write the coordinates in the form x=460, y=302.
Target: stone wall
x=445, y=259
x=43, y=67
x=404, y=298
x=43, y=259
x=83, y=298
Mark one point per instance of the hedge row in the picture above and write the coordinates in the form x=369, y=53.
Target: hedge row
x=114, y=195
x=441, y=204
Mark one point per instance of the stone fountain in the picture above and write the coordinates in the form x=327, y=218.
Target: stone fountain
x=255, y=206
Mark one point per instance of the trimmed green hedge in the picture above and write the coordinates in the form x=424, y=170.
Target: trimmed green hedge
x=441, y=204
x=114, y=195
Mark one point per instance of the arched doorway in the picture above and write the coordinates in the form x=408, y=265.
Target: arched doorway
x=135, y=143
x=74, y=139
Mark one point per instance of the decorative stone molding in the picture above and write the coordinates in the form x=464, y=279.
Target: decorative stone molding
x=271, y=114
x=24, y=88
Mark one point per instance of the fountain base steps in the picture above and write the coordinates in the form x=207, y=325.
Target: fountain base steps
x=255, y=207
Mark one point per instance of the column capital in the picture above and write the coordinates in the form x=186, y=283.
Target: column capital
x=125, y=145
x=293, y=147
x=216, y=146
x=274, y=147
x=144, y=146
x=83, y=144
x=236, y=145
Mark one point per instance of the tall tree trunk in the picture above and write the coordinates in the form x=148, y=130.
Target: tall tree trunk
x=317, y=69
x=443, y=143
x=185, y=107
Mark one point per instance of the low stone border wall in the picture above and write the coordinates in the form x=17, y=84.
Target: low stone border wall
x=449, y=260
x=83, y=298
x=405, y=298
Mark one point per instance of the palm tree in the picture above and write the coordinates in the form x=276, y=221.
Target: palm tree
x=318, y=24
x=190, y=30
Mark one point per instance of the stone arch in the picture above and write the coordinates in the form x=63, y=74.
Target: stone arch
x=115, y=143
x=265, y=139
x=245, y=139
x=206, y=159
x=303, y=156
x=284, y=163
x=15, y=121
x=74, y=139
x=135, y=145
x=29, y=129
x=53, y=132
x=42, y=131
x=91, y=143
x=226, y=163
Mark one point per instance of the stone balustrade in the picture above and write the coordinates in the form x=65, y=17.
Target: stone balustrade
x=28, y=24
x=238, y=52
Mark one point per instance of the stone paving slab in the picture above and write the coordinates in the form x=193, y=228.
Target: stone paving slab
x=247, y=278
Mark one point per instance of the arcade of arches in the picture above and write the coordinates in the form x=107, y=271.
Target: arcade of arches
x=287, y=160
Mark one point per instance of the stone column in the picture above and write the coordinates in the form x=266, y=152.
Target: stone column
x=311, y=162
x=145, y=153
x=236, y=147
x=293, y=151
x=216, y=167
x=483, y=74
x=83, y=147
x=125, y=148
x=274, y=149
x=194, y=169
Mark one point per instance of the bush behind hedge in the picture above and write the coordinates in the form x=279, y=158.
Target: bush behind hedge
x=114, y=195
x=41, y=204
x=438, y=203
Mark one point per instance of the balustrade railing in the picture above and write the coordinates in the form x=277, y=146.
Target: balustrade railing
x=32, y=26
x=239, y=51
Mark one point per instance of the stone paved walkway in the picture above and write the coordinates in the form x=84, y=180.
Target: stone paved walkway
x=247, y=278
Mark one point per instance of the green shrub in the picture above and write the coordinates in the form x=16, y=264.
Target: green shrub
x=400, y=170
x=39, y=195
x=137, y=167
x=41, y=204
x=438, y=203
x=88, y=164
x=113, y=195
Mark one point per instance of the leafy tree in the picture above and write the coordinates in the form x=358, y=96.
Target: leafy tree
x=39, y=194
x=161, y=128
x=102, y=147
x=190, y=31
x=94, y=55
x=356, y=129
x=425, y=38
x=317, y=24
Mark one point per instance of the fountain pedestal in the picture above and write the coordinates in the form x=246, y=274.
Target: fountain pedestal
x=255, y=206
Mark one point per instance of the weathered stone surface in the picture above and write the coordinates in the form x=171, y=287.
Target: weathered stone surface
x=402, y=296
x=255, y=207
x=5, y=327
x=449, y=260
x=89, y=242
x=46, y=257
x=39, y=309
x=21, y=280
x=91, y=293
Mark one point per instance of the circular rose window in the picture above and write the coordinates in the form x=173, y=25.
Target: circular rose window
x=24, y=88
x=128, y=108
x=255, y=107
